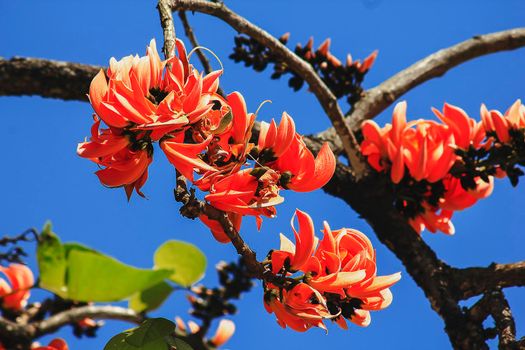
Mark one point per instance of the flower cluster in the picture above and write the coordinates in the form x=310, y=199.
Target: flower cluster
x=147, y=100
x=441, y=167
x=15, y=292
x=338, y=278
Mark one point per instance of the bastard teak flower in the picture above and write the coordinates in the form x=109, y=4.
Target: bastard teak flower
x=435, y=166
x=332, y=279
x=205, y=136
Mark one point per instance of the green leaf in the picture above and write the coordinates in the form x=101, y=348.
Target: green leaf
x=179, y=344
x=51, y=260
x=96, y=277
x=80, y=273
x=151, y=298
x=152, y=334
x=186, y=260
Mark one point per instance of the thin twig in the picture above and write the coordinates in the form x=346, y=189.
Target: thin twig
x=102, y=312
x=11, y=332
x=326, y=98
x=192, y=208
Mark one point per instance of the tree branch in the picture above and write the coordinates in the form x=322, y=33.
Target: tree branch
x=192, y=208
x=46, y=78
x=103, y=312
x=495, y=304
x=326, y=98
x=166, y=22
x=12, y=330
x=377, y=99
x=478, y=280
x=12, y=333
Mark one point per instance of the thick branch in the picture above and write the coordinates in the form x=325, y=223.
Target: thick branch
x=478, y=280
x=326, y=98
x=46, y=78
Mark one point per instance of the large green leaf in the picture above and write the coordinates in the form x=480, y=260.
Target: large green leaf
x=51, y=259
x=151, y=298
x=152, y=334
x=96, y=277
x=186, y=260
x=77, y=272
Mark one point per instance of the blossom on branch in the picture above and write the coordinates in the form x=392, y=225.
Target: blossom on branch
x=205, y=136
x=437, y=168
x=339, y=278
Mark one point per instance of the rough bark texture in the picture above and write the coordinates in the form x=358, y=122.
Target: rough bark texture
x=46, y=78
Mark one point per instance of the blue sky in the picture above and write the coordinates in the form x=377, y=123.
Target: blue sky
x=43, y=178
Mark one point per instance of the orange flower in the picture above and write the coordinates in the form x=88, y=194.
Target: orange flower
x=15, y=294
x=139, y=96
x=236, y=193
x=123, y=100
x=457, y=198
x=341, y=269
x=216, y=227
x=494, y=121
x=275, y=138
x=185, y=156
x=296, y=256
x=307, y=173
x=125, y=164
x=423, y=147
x=427, y=150
x=224, y=332
x=467, y=132
x=433, y=219
x=299, y=308
x=55, y=344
